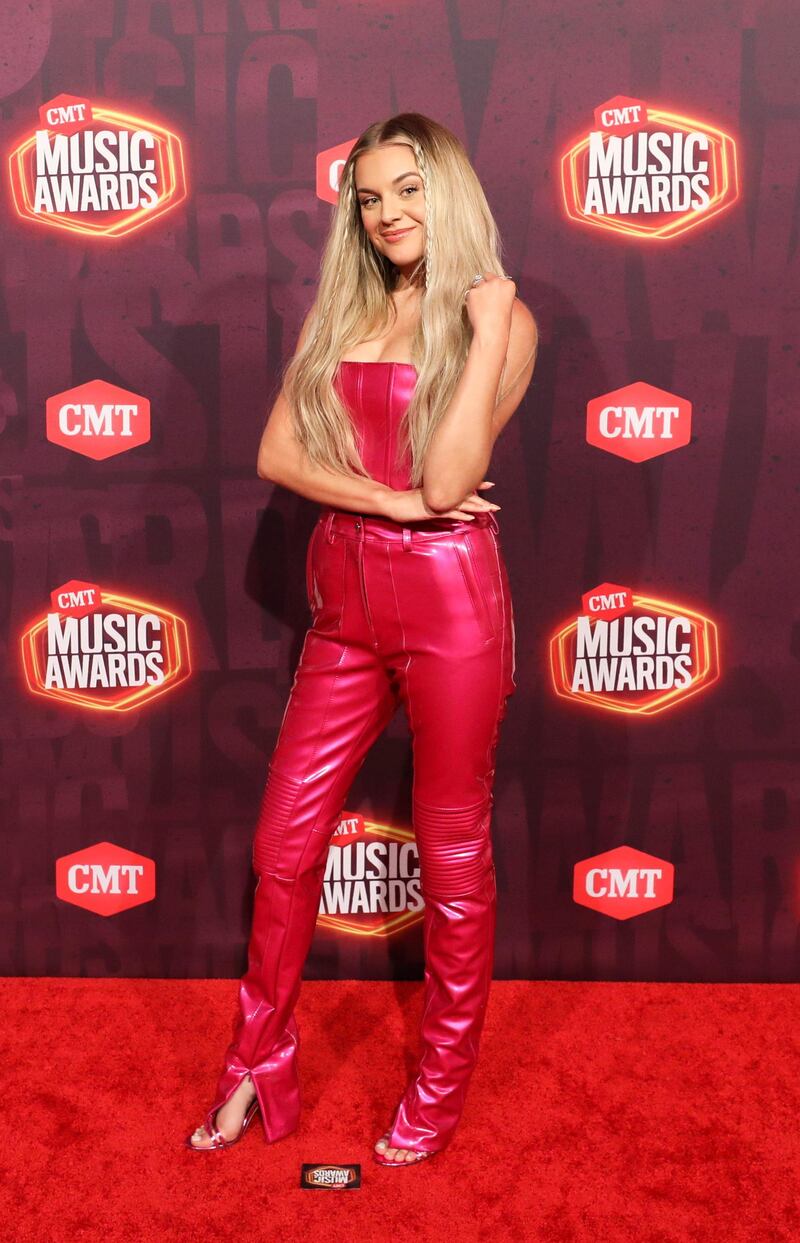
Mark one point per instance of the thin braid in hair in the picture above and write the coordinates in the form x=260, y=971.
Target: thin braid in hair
x=419, y=156
x=348, y=208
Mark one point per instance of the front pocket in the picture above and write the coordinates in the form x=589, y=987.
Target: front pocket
x=309, y=552
x=476, y=588
x=325, y=567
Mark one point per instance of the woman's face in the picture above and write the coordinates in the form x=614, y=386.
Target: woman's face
x=392, y=201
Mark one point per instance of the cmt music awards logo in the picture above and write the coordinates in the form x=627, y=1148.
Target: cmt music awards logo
x=95, y=170
x=647, y=171
x=623, y=882
x=631, y=653
x=372, y=882
x=329, y=1177
x=99, y=649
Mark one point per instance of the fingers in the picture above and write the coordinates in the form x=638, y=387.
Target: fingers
x=479, y=502
x=471, y=505
x=470, y=514
x=479, y=505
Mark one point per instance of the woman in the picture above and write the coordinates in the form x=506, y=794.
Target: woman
x=387, y=417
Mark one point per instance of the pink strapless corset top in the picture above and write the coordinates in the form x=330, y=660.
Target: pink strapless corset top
x=377, y=396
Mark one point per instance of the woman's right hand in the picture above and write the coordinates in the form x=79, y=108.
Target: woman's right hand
x=410, y=507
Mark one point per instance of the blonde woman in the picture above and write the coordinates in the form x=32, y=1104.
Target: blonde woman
x=411, y=361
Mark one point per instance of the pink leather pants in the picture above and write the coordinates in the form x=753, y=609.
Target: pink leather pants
x=420, y=615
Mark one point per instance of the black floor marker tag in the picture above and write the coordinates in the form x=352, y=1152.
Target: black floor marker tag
x=319, y=1176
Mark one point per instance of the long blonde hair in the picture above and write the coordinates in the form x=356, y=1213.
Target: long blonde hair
x=353, y=304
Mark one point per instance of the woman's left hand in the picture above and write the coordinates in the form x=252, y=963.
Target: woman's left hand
x=489, y=306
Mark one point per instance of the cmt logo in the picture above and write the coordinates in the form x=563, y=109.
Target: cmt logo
x=638, y=422
x=329, y=170
x=65, y=114
x=647, y=171
x=372, y=881
x=623, y=882
x=105, y=879
x=98, y=420
x=620, y=115
x=95, y=170
x=608, y=601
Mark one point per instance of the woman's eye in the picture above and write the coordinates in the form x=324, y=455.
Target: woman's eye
x=371, y=199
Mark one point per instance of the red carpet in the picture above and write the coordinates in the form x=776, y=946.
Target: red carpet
x=598, y=1112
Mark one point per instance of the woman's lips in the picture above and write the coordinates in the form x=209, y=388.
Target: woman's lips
x=396, y=237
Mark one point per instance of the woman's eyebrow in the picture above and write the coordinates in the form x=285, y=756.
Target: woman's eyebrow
x=366, y=189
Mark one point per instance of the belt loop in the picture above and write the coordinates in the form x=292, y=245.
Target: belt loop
x=329, y=527
x=406, y=539
x=494, y=524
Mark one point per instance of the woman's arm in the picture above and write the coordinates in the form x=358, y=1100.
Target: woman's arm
x=461, y=448
x=282, y=459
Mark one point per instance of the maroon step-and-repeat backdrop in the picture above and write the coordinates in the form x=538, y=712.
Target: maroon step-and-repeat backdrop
x=169, y=170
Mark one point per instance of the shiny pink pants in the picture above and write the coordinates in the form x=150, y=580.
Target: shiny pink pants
x=420, y=615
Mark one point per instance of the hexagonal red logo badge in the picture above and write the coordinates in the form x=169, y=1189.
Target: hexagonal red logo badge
x=105, y=879
x=608, y=601
x=96, y=170
x=621, y=115
x=100, y=649
x=98, y=420
x=623, y=882
x=372, y=884
x=639, y=657
x=648, y=172
x=75, y=598
x=66, y=114
x=329, y=169
x=638, y=422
